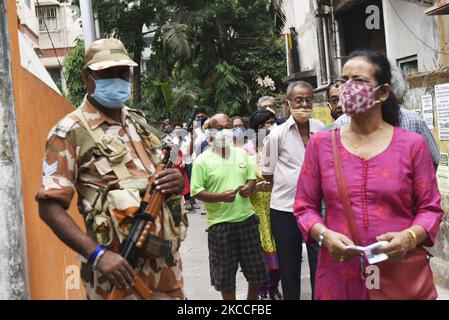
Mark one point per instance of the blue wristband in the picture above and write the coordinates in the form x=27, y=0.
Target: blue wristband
x=94, y=254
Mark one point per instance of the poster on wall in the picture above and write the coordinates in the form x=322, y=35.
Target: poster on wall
x=322, y=113
x=442, y=105
x=427, y=109
x=443, y=174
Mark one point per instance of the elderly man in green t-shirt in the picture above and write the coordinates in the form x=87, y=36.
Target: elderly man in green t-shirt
x=224, y=177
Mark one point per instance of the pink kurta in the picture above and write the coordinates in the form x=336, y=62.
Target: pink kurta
x=389, y=192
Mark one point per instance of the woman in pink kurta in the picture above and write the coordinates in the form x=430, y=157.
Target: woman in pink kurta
x=389, y=192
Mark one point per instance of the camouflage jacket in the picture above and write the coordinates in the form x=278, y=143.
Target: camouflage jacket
x=73, y=163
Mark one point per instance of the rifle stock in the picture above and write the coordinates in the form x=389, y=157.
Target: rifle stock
x=139, y=287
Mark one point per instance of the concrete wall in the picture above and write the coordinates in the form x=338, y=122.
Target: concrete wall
x=295, y=13
x=52, y=266
x=288, y=6
x=27, y=15
x=301, y=10
x=425, y=84
x=402, y=43
x=13, y=275
x=443, y=33
x=308, y=45
x=300, y=15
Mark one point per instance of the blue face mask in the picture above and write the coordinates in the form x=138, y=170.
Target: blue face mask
x=111, y=93
x=239, y=133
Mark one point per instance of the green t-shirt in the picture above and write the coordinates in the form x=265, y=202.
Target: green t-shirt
x=212, y=173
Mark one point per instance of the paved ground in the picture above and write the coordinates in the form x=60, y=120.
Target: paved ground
x=195, y=257
x=196, y=266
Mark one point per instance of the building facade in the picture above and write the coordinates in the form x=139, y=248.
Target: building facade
x=329, y=30
x=412, y=33
x=51, y=28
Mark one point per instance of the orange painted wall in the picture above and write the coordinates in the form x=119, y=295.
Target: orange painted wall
x=38, y=108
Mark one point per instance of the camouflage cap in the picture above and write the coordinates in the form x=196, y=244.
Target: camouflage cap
x=107, y=53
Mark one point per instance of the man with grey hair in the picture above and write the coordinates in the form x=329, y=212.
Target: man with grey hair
x=269, y=103
x=282, y=159
x=266, y=103
x=408, y=120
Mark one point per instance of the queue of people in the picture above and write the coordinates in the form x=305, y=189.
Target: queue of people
x=369, y=178
x=270, y=188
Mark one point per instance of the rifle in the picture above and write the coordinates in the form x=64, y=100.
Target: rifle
x=149, y=209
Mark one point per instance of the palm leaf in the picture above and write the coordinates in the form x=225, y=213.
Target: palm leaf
x=174, y=38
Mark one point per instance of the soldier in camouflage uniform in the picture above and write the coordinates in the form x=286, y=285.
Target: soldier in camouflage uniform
x=106, y=152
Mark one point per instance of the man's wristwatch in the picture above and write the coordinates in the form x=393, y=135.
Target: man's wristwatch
x=321, y=236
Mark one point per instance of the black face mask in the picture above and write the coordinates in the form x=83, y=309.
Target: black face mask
x=201, y=120
x=334, y=115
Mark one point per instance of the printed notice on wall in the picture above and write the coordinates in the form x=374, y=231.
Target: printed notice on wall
x=427, y=110
x=443, y=174
x=442, y=105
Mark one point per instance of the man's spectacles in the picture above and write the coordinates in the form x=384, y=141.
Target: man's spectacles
x=334, y=100
x=338, y=82
x=300, y=101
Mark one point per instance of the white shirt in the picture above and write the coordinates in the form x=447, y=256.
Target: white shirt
x=199, y=137
x=282, y=157
x=185, y=148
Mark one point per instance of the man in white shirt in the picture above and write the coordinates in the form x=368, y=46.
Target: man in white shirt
x=198, y=136
x=282, y=158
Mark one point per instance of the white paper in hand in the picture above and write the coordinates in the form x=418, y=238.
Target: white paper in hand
x=368, y=252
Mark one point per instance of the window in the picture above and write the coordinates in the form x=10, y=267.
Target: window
x=55, y=74
x=48, y=17
x=408, y=64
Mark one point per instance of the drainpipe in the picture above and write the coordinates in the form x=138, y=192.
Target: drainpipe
x=338, y=46
x=336, y=35
x=286, y=53
x=87, y=19
x=320, y=38
x=326, y=50
x=97, y=26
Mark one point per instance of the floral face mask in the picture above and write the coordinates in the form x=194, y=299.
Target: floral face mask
x=357, y=97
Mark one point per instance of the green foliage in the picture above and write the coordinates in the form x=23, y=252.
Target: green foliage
x=73, y=67
x=229, y=91
x=231, y=44
x=206, y=53
x=259, y=59
x=174, y=38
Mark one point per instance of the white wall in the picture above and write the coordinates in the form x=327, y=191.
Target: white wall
x=289, y=15
x=401, y=42
x=299, y=15
x=30, y=61
x=301, y=9
x=27, y=15
x=308, y=44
